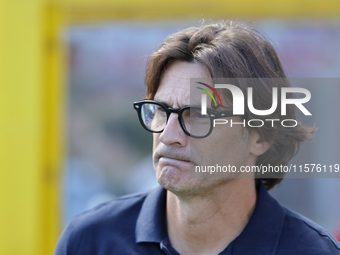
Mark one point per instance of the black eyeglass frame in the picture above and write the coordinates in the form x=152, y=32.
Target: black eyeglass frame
x=211, y=113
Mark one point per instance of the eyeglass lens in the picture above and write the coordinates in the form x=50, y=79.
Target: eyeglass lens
x=155, y=118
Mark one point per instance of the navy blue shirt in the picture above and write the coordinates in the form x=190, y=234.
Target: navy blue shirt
x=136, y=224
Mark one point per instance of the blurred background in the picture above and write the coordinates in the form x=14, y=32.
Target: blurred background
x=69, y=73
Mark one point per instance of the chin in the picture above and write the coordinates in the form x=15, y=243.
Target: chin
x=186, y=186
x=169, y=178
x=182, y=185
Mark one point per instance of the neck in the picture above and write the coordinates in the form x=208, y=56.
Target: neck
x=206, y=224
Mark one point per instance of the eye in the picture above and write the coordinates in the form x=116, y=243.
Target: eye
x=161, y=109
x=196, y=113
x=199, y=115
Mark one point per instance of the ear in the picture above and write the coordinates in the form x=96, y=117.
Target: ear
x=258, y=145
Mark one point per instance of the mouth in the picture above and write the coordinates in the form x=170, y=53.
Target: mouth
x=174, y=158
x=180, y=157
x=175, y=162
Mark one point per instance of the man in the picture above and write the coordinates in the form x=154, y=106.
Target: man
x=192, y=215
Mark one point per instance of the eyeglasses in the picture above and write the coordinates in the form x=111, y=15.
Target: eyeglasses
x=154, y=116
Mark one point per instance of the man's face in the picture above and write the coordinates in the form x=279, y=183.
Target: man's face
x=175, y=153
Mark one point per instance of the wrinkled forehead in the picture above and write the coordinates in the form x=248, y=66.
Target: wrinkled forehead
x=173, y=94
x=175, y=83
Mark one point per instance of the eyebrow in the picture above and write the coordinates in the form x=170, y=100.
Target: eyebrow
x=162, y=102
x=167, y=105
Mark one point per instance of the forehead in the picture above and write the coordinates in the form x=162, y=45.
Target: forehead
x=174, y=86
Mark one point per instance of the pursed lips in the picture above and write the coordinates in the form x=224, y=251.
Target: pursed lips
x=174, y=156
x=173, y=159
x=178, y=163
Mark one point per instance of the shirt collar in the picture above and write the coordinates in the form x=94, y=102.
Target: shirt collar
x=260, y=236
x=151, y=222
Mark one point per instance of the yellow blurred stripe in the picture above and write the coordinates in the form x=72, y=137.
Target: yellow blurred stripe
x=21, y=125
x=29, y=129
x=85, y=10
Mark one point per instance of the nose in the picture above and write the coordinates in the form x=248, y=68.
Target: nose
x=173, y=133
